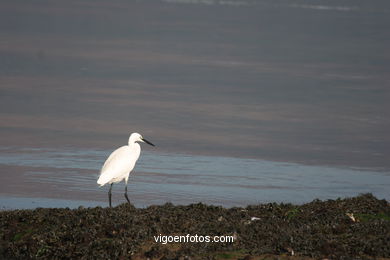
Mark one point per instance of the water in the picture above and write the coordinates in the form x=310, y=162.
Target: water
x=247, y=100
x=67, y=177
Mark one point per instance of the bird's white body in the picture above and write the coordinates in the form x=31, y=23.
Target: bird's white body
x=119, y=164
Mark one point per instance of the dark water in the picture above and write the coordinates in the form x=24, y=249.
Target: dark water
x=291, y=81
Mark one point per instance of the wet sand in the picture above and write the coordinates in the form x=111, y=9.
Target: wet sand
x=356, y=227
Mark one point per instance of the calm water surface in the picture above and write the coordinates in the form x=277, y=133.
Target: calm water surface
x=67, y=177
x=299, y=86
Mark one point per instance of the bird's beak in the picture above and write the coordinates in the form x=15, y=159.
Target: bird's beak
x=146, y=141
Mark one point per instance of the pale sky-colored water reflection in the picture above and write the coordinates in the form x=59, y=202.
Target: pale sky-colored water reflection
x=70, y=174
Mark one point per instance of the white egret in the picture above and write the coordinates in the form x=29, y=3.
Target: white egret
x=120, y=163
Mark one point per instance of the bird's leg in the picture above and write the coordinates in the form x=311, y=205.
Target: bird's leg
x=127, y=198
x=109, y=195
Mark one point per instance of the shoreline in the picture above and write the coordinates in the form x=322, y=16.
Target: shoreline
x=179, y=179
x=356, y=227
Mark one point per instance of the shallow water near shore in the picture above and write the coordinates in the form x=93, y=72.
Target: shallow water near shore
x=66, y=177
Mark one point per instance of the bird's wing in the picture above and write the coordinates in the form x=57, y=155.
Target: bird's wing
x=114, y=158
x=117, y=164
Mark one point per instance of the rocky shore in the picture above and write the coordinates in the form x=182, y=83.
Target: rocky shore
x=348, y=228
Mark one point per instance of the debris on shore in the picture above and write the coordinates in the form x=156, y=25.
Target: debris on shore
x=357, y=227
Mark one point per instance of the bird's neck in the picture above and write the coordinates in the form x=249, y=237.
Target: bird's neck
x=133, y=144
x=135, y=148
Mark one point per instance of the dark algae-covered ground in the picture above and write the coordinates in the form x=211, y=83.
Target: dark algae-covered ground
x=352, y=228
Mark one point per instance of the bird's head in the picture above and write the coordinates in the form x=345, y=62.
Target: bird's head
x=136, y=137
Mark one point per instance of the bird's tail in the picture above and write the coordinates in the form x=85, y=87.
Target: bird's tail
x=102, y=180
